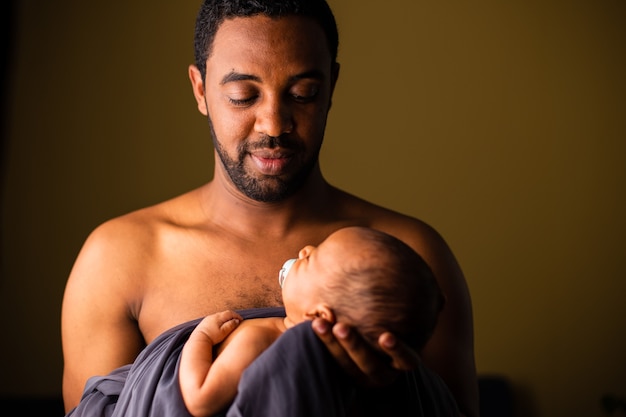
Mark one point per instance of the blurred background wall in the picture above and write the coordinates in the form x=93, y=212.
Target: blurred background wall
x=502, y=124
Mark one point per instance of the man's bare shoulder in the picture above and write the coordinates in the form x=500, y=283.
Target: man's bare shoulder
x=141, y=227
x=125, y=246
x=183, y=209
x=414, y=231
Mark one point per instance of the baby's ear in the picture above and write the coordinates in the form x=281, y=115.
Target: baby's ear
x=323, y=311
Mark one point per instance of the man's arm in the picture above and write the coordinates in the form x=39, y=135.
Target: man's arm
x=450, y=350
x=99, y=332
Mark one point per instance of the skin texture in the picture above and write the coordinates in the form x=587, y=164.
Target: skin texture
x=215, y=248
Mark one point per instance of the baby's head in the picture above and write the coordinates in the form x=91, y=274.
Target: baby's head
x=367, y=279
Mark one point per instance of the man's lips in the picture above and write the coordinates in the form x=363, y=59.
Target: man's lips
x=270, y=162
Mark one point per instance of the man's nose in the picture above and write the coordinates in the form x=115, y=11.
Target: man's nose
x=274, y=117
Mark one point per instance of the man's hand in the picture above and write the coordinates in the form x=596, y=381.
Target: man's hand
x=359, y=359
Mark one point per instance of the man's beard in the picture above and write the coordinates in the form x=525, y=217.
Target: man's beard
x=266, y=189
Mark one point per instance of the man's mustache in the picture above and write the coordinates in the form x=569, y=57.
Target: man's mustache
x=271, y=142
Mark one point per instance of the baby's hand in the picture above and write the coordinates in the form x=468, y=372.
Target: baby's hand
x=217, y=326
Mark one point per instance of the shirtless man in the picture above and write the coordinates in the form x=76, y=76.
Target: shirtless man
x=265, y=85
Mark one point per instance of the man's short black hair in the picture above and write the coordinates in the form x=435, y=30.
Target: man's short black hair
x=213, y=13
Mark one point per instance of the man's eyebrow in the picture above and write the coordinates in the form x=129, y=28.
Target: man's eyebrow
x=314, y=74
x=237, y=76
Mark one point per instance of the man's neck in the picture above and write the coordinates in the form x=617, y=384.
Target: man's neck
x=228, y=208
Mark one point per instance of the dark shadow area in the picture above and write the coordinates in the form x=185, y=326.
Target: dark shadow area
x=7, y=42
x=32, y=407
x=496, y=396
x=525, y=404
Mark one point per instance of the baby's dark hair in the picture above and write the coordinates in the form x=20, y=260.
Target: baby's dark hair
x=391, y=288
x=213, y=13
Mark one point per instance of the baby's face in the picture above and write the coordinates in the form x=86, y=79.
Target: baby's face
x=301, y=271
x=318, y=261
x=303, y=279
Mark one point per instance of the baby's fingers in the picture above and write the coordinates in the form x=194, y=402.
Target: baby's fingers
x=229, y=320
x=219, y=325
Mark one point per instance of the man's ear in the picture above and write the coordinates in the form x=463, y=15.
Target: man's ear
x=334, y=76
x=333, y=82
x=197, y=84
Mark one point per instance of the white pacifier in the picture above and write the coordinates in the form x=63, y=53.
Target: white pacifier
x=282, y=274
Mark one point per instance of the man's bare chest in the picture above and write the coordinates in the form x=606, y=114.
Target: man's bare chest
x=205, y=285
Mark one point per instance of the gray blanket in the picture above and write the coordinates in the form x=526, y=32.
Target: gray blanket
x=296, y=376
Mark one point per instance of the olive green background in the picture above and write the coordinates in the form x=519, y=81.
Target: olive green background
x=500, y=123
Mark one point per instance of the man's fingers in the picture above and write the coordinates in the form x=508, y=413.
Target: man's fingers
x=323, y=328
x=362, y=361
x=355, y=348
x=325, y=331
x=357, y=357
x=402, y=357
